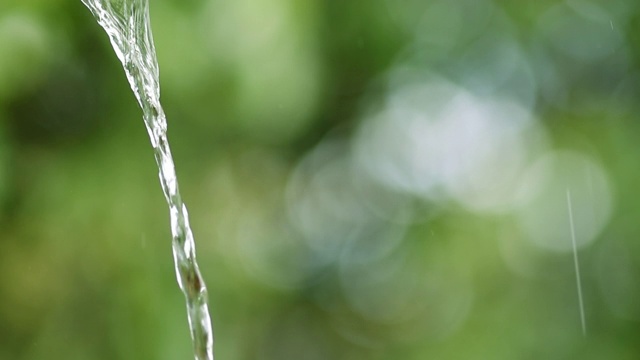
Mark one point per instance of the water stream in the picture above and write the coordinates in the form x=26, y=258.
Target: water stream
x=128, y=27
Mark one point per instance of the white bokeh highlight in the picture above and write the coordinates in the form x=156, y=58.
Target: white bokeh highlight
x=437, y=141
x=544, y=214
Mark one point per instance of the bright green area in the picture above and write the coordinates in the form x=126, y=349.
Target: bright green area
x=306, y=255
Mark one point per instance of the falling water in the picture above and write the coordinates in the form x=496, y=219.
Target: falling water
x=128, y=26
x=576, y=263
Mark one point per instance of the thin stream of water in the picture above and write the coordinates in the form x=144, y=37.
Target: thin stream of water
x=128, y=26
x=576, y=263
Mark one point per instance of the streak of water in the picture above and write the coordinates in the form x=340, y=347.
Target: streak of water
x=576, y=263
x=128, y=26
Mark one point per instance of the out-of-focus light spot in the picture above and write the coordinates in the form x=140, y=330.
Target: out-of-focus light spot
x=583, y=33
x=495, y=143
x=440, y=25
x=371, y=241
x=321, y=201
x=266, y=45
x=580, y=54
x=433, y=298
x=491, y=62
x=495, y=65
x=25, y=49
x=249, y=221
x=271, y=253
x=544, y=212
x=379, y=292
x=385, y=204
x=326, y=203
x=551, y=86
x=436, y=140
x=617, y=275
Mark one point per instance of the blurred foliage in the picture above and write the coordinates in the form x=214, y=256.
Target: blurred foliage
x=366, y=180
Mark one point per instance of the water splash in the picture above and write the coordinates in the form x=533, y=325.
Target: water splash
x=128, y=26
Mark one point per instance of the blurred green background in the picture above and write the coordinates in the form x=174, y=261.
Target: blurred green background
x=367, y=179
